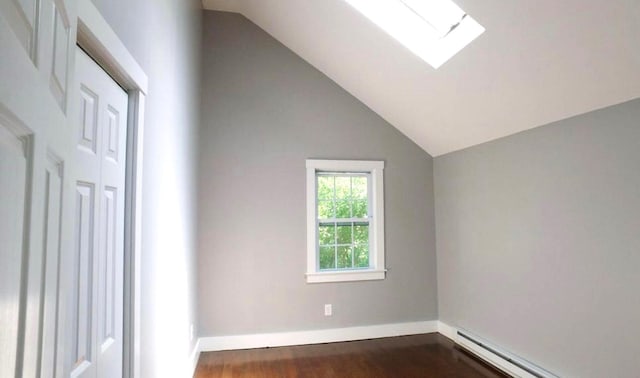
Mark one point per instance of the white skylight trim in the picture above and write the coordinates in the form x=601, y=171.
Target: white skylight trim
x=434, y=30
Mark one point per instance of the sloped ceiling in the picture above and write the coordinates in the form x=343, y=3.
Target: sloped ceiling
x=537, y=62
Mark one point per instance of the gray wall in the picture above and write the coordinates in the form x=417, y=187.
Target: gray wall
x=265, y=111
x=164, y=37
x=538, y=239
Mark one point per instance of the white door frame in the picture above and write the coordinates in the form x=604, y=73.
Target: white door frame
x=96, y=37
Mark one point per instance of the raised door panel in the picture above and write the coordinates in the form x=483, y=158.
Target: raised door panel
x=51, y=266
x=82, y=351
x=22, y=16
x=88, y=125
x=60, y=54
x=13, y=207
x=40, y=293
x=108, y=267
x=113, y=132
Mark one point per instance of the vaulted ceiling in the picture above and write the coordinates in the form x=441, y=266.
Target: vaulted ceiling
x=537, y=62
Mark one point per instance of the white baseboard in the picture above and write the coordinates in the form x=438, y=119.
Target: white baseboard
x=446, y=330
x=193, y=359
x=263, y=340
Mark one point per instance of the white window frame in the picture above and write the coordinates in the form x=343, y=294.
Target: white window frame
x=377, y=270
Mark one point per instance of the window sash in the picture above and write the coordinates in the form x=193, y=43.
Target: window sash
x=335, y=244
x=336, y=221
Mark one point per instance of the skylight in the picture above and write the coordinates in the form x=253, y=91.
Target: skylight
x=434, y=30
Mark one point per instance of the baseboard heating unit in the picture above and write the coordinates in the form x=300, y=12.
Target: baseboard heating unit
x=503, y=360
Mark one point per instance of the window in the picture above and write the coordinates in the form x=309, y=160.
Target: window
x=434, y=30
x=345, y=220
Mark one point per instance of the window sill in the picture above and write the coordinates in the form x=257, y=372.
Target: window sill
x=346, y=276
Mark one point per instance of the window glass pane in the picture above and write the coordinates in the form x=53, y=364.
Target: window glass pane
x=343, y=187
x=343, y=209
x=359, y=187
x=361, y=233
x=344, y=257
x=344, y=234
x=361, y=257
x=360, y=208
x=325, y=187
x=327, y=234
x=325, y=209
x=327, y=257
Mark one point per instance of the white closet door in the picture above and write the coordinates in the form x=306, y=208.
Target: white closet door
x=97, y=302
x=36, y=156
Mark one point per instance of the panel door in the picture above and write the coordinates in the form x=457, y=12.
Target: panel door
x=36, y=158
x=100, y=172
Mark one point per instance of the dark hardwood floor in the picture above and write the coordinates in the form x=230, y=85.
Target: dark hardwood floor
x=428, y=355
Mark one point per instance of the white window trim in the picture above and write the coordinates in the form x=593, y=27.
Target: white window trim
x=377, y=270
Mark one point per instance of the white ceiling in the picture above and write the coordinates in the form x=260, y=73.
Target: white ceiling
x=537, y=62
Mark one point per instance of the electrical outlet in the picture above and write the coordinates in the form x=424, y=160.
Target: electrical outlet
x=328, y=310
x=191, y=332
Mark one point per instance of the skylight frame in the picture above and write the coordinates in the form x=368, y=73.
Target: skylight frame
x=423, y=34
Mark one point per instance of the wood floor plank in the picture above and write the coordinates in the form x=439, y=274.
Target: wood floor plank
x=424, y=356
